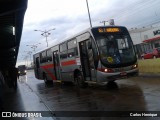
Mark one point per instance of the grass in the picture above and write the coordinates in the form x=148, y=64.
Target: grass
x=149, y=65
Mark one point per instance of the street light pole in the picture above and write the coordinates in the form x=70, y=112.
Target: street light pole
x=45, y=33
x=29, y=53
x=34, y=46
x=25, y=58
x=89, y=14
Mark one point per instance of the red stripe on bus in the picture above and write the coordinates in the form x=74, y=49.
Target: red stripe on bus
x=48, y=72
x=47, y=66
x=66, y=63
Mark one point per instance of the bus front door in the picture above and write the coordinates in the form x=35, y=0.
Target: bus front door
x=37, y=68
x=56, y=65
x=85, y=59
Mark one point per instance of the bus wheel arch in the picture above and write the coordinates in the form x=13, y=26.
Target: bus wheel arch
x=75, y=74
x=45, y=78
x=111, y=85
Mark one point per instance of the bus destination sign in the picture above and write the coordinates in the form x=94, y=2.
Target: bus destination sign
x=103, y=30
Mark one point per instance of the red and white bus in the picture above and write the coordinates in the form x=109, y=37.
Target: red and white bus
x=98, y=54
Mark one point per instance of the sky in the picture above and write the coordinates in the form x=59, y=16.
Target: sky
x=68, y=17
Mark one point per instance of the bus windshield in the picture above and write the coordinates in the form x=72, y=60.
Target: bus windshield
x=115, y=49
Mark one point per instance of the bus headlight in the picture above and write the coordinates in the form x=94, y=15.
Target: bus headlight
x=25, y=71
x=106, y=70
x=134, y=66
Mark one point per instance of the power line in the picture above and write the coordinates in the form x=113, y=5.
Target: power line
x=140, y=7
x=133, y=8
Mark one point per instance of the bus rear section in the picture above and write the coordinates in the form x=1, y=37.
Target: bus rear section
x=46, y=64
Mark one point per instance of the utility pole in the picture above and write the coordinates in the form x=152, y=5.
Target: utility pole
x=89, y=14
x=45, y=33
x=29, y=53
x=34, y=46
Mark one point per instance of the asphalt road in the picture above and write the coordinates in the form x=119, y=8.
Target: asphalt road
x=134, y=95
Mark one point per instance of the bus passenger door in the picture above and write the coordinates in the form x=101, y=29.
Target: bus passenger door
x=85, y=60
x=56, y=65
x=37, y=68
x=91, y=60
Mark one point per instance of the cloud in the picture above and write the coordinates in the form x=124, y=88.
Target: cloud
x=69, y=17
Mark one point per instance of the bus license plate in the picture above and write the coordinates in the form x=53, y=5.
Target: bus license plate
x=123, y=73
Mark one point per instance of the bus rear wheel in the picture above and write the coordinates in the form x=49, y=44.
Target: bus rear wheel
x=45, y=79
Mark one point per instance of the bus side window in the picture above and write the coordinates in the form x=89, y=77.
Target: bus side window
x=63, y=55
x=63, y=47
x=49, y=58
x=49, y=55
x=63, y=50
x=43, y=57
x=72, y=48
x=72, y=52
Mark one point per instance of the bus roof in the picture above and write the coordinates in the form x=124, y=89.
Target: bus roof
x=77, y=34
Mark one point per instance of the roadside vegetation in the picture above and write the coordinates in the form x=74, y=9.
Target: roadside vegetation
x=149, y=65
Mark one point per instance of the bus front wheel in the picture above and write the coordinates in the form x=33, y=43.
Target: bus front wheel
x=112, y=85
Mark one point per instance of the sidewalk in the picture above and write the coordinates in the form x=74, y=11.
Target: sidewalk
x=150, y=75
x=22, y=100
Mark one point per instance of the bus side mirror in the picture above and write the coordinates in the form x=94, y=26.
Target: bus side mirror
x=89, y=45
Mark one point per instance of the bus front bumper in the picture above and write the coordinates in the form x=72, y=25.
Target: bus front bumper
x=105, y=77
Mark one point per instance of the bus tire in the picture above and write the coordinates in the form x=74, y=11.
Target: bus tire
x=79, y=81
x=45, y=79
x=111, y=85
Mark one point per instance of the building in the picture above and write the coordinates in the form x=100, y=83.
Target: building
x=145, y=38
